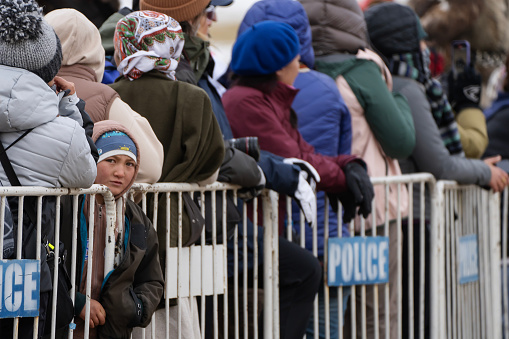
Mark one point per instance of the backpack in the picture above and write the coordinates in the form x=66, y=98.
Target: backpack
x=65, y=308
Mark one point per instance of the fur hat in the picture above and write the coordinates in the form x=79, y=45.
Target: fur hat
x=27, y=40
x=264, y=48
x=180, y=10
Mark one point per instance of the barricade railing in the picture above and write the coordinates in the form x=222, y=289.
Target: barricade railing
x=213, y=288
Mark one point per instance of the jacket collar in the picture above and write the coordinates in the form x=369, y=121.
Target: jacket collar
x=284, y=94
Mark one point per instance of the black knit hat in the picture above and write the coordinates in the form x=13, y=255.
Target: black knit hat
x=394, y=28
x=27, y=40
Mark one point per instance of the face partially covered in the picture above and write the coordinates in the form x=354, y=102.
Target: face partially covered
x=116, y=172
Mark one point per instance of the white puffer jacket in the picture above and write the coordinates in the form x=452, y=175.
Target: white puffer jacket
x=56, y=152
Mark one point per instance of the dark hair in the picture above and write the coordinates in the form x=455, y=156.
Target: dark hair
x=265, y=83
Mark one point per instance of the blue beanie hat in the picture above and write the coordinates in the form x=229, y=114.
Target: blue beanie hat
x=264, y=48
x=113, y=143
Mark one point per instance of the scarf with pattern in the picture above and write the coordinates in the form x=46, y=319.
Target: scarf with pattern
x=416, y=66
x=147, y=40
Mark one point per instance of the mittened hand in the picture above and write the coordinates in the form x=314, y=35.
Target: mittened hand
x=360, y=188
x=465, y=90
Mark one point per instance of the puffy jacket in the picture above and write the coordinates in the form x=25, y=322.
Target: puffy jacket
x=497, y=120
x=267, y=115
x=382, y=124
x=56, y=152
x=323, y=117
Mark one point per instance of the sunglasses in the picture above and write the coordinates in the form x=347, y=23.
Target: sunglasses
x=210, y=11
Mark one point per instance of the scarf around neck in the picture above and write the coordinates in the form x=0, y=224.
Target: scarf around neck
x=146, y=41
x=414, y=66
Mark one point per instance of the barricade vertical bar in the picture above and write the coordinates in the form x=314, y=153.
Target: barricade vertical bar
x=400, y=267
x=38, y=253
x=353, y=298
x=451, y=333
x=75, y=203
x=236, y=275
x=410, y=229
x=244, y=280
x=482, y=265
x=495, y=255
x=505, y=284
x=363, y=289
x=203, y=281
x=18, y=252
x=89, y=262
x=225, y=265
x=111, y=217
x=326, y=267
x=315, y=253
x=340, y=289
x=167, y=268
x=154, y=224
x=437, y=265
x=275, y=261
x=56, y=267
x=179, y=264
x=267, y=266
x=255, y=267
x=375, y=287
x=214, y=270
x=386, y=286
x=422, y=252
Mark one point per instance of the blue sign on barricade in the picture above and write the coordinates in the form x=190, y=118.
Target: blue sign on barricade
x=19, y=288
x=358, y=261
x=468, y=256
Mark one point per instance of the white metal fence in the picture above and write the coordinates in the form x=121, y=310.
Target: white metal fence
x=218, y=278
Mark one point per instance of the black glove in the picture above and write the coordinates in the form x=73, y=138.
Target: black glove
x=465, y=90
x=360, y=192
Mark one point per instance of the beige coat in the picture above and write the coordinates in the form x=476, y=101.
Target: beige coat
x=83, y=64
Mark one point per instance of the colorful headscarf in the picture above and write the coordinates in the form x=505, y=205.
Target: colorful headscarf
x=147, y=40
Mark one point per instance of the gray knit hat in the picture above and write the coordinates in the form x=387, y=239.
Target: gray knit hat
x=27, y=40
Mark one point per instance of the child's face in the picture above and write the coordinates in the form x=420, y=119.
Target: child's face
x=116, y=172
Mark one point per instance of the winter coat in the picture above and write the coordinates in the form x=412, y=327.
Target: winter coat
x=138, y=274
x=497, y=120
x=382, y=126
x=181, y=116
x=267, y=116
x=324, y=121
x=56, y=152
x=83, y=64
x=430, y=154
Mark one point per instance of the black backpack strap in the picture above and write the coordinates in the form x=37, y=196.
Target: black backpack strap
x=13, y=178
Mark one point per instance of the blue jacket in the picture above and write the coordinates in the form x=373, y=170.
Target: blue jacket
x=324, y=123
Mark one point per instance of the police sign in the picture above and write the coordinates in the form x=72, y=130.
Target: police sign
x=468, y=259
x=19, y=288
x=358, y=261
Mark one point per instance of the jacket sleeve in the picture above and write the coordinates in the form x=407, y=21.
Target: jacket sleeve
x=273, y=136
x=151, y=149
x=430, y=154
x=473, y=132
x=79, y=168
x=280, y=177
x=388, y=115
x=148, y=280
x=239, y=168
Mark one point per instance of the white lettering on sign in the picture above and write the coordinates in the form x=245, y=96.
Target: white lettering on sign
x=358, y=260
x=19, y=288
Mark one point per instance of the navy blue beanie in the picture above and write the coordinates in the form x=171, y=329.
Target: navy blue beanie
x=264, y=48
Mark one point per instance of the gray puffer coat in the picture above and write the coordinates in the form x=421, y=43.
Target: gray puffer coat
x=56, y=152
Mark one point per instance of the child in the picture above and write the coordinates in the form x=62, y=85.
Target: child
x=129, y=294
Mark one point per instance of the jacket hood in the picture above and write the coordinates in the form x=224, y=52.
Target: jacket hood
x=336, y=25
x=287, y=11
x=104, y=126
x=80, y=39
x=16, y=112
